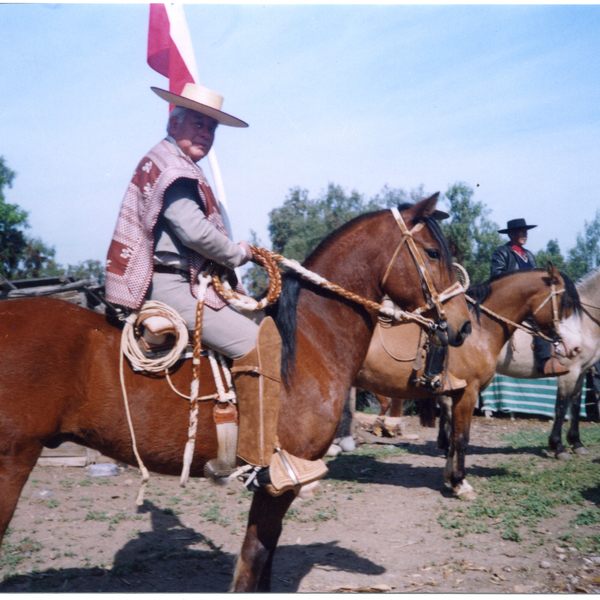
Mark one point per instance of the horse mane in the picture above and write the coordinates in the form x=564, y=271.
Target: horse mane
x=436, y=233
x=285, y=310
x=588, y=280
x=480, y=292
x=571, y=293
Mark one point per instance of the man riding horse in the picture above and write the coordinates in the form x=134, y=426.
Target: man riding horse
x=513, y=256
x=170, y=229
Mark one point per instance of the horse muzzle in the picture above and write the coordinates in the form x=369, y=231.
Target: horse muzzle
x=457, y=337
x=447, y=335
x=561, y=349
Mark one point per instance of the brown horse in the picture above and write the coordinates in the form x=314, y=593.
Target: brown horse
x=59, y=371
x=513, y=296
x=395, y=406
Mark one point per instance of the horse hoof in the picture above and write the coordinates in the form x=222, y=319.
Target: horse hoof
x=308, y=491
x=465, y=491
x=347, y=444
x=470, y=495
x=563, y=456
x=334, y=450
x=581, y=451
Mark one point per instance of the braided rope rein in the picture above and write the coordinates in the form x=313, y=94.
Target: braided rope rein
x=463, y=277
x=269, y=260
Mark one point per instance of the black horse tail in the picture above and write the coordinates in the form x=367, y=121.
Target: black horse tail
x=284, y=312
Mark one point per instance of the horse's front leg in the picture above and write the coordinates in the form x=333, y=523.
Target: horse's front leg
x=462, y=413
x=573, y=438
x=555, y=444
x=384, y=404
x=253, y=569
x=445, y=424
x=14, y=471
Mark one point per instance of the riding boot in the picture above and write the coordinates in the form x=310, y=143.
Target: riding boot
x=257, y=378
x=453, y=383
x=552, y=368
x=432, y=378
x=544, y=356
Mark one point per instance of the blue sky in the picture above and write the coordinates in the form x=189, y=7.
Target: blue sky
x=504, y=97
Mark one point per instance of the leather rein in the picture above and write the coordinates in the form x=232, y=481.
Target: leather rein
x=552, y=298
x=269, y=259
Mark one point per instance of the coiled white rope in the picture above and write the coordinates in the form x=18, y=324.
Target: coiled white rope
x=139, y=361
x=145, y=475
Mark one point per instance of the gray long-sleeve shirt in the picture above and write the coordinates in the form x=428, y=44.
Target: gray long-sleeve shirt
x=182, y=224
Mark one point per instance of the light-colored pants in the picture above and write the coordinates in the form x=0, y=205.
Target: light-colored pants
x=227, y=330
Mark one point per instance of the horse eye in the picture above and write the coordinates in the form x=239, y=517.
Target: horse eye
x=433, y=254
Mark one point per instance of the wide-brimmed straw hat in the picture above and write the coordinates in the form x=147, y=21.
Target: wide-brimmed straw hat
x=202, y=100
x=516, y=224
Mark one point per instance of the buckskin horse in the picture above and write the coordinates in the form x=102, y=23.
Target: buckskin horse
x=60, y=369
x=511, y=298
x=579, y=360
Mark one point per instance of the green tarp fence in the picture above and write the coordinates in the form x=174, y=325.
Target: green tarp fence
x=531, y=396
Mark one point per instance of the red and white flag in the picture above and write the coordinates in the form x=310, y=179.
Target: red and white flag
x=170, y=52
x=170, y=49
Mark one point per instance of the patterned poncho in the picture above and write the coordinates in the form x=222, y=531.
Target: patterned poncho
x=129, y=265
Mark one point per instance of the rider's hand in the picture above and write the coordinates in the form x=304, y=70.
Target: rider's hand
x=248, y=253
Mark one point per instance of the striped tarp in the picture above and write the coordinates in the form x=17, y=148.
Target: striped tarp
x=532, y=396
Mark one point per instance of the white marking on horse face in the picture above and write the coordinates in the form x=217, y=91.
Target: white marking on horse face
x=570, y=334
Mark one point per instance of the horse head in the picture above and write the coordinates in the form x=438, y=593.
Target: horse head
x=557, y=310
x=426, y=269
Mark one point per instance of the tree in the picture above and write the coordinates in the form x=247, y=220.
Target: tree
x=38, y=261
x=297, y=227
x=12, y=221
x=88, y=269
x=255, y=278
x=551, y=254
x=394, y=196
x=300, y=224
x=472, y=237
x=22, y=257
x=585, y=256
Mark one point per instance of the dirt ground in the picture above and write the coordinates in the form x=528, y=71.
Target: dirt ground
x=376, y=531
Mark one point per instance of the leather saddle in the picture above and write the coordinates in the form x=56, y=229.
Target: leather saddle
x=157, y=336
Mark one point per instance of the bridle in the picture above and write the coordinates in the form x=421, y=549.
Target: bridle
x=552, y=298
x=432, y=298
x=268, y=260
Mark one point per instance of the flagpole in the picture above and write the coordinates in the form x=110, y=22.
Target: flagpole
x=178, y=22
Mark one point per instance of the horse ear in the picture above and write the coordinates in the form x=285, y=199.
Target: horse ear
x=553, y=273
x=426, y=207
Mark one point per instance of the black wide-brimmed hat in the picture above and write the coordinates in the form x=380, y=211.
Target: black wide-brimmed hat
x=516, y=224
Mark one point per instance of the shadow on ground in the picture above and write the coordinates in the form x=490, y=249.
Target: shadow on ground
x=366, y=469
x=161, y=561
